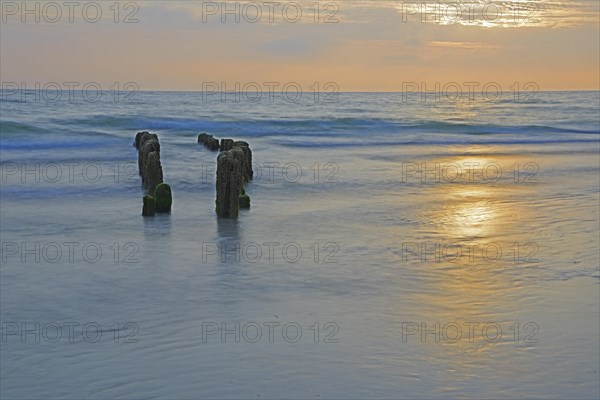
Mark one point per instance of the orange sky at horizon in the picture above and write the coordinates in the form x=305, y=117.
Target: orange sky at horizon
x=365, y=45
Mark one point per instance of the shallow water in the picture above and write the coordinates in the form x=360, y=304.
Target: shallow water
x=345, y=241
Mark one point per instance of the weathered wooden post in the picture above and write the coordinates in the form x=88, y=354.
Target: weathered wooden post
x=229, y=182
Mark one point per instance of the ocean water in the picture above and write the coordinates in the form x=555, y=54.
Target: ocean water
x=394, y=249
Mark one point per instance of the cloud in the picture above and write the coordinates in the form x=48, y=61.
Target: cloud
x=500, y=14
x=463, y=45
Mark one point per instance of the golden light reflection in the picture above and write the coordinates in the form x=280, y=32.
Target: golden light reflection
x=472, y=208
x=473, y=216
x=473, y=219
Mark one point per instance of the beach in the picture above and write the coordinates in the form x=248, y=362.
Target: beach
x=393, y=247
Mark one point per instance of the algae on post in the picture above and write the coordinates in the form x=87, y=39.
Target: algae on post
x=164, y=198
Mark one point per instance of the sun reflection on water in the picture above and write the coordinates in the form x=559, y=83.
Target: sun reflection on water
x=469, y=290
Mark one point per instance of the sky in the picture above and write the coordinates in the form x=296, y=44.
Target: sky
x=356, y=45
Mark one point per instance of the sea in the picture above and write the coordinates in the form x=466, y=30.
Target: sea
x=396, y=247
